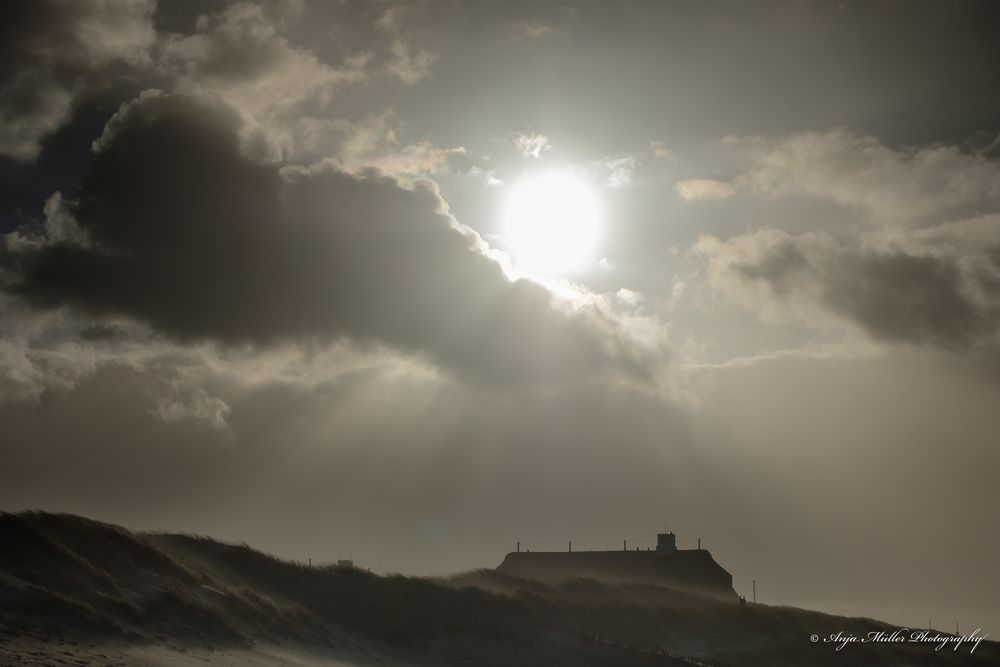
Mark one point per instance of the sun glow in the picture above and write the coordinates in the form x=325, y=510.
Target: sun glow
x=551, y=223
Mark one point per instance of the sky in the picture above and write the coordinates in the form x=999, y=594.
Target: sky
x=262, y=278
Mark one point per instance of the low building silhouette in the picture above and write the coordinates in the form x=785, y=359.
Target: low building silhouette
x=685, y=569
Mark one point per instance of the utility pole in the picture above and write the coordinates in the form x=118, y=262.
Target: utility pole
x=699, y=544
x=571, y=546
x=624, y=545
x=519, y=546
x=755, y=591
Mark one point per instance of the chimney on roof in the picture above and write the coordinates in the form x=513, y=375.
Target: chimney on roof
x=666, y=543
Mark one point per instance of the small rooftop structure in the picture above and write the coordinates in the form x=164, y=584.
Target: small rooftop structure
x=666, y=543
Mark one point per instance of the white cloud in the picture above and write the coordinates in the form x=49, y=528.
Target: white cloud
x=534, y=29
x=241, y=55
x=660, y=151
x=631, y=297
x=704, y=188
x=531, y=145
x=419, y=158
x=374, y=142
x=488, y=176
x=191, y=403
x=891, y=186
x=620, y=170
x=407, y=62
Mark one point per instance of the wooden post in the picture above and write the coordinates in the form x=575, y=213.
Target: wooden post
x=699, y=544
x=519, y=546
x=571, y=546
x=624, y=545
x=755, y=591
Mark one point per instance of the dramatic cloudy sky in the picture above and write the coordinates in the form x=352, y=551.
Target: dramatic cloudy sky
x=257, y=281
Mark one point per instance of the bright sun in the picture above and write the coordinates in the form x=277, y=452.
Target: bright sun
x=551, y=223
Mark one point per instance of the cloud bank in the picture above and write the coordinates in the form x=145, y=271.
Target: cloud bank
x=53, y=51
x=181, y=230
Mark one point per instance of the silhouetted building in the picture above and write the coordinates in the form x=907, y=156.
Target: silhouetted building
x=690, y=570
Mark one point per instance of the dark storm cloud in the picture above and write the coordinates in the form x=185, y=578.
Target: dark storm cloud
x=779, y=268
x=911, y=260
x=186, y=233
x=909, y=298
x=900, y=295
x=52, y=51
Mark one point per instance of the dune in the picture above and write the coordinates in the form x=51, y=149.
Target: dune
x=78, y=592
